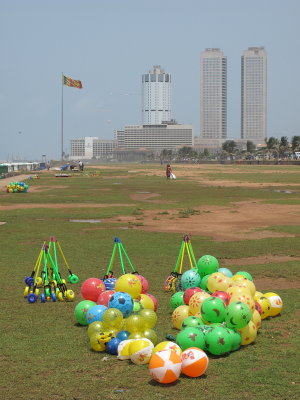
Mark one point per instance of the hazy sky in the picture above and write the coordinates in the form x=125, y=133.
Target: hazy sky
x=109, y=44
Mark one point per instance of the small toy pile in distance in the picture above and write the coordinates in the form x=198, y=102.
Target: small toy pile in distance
x=17, y=187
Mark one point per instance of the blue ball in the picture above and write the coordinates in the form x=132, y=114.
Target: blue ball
x=95, y=313
x=123, y=335
x=112, y=346
x=110, y=283
x=226, y=272
x=123, y=302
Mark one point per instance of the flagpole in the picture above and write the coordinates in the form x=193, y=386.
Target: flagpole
x=62, y=116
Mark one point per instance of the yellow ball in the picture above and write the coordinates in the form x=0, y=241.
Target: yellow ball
x=265, y=306
x=256, y=318
x=248, y=333
x=218, y=281
x=276, y=303
x=95, y=327
x=249, y=285
x=135, y=323
x=238, y=278
x=166, y=345
x=178, y=315
x=244, y=298
x=151, y=335
x=95, y=344
x=146, y=301
x=257, y=295
x=136, y=335
x=112, y=319
x=196, y=301
x=130, y=284
x=150, y=318
x=70, y=295
x=233, y=290
x=123, y=349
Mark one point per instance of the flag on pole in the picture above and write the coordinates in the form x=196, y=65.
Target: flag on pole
x=71, y=82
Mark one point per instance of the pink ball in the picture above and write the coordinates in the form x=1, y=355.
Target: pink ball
x=145, y=284
x=91, y=288
x=222, y=295
x=104, y=297
x=188, y=293
x=154, y=301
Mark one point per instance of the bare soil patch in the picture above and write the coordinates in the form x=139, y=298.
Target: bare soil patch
x=270, y=284
x=147, y=198
x=266, y=259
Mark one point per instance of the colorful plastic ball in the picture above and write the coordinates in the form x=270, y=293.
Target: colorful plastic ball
x=112, y=346
x=177, y=300
x=257, y=295
x=265, y=305
x=237, y=315
x=258, y=307
x=207, y=265
x=95, y=327
x=194, y=362
x=222, y=295
x=112, y=318
x=190, y=278
x=178, y=315
x=196, y=301
x=236, y=339
x=136, y=335
x=136, y=306
x=123, y=335
x=123, y=302
x=81, y=309
x=144, y=282
x=91, y=288
x=104, y=297
x=129, y=283
x=165, y=366
x=188, y=293
x=150, y=318
x=95, y=313
x=226, y=272
x=153, y=298
x=123, y=349
x=141, y=351
x=190, y=337
x=151, y=335
x=256, y=318
x=213, y=310
x=134, y=323
x=145, y=301
x=245, y=274
x=249, y=285
x=244, y=298
x=203, y=283
x=233, y=290
x=276, y=303
x=218, y=341
x=167, y=345
x=191, y=322
x=218, y=281
x=95, y=344
x=248, y=333
x=110, y=283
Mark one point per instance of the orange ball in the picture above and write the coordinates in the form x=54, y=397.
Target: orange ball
x=194, y=362
x=165, y=366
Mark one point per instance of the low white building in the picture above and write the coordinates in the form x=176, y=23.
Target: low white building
x=91, y=147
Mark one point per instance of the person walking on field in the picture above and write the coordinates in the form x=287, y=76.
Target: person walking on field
x=168, y=171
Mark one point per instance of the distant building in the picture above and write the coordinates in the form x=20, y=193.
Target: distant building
x=156, y=96
x=168, y=135
x=213, y=95
x=254, y=95
x=91, y=147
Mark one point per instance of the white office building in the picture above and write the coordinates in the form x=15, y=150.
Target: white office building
x=91, y=147
x=156, y=96
x=213, y=94
x=254, y=95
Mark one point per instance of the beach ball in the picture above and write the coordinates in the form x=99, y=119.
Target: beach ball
x=153, y=298
x=112, y=346
x=150, y=318
x=196, y=301
x=144, y=282
x=81, y=309
x=248, y=333
x=265, y=305
x=226, y=272
x=112, y=318
x=95, y=327
x=123, y=349
x=122, y=335
x=245, y=274
x=176, y=300
x=194, y=362
x=167, y=345
x=95, y=344
x=222, y=295
x=104, y=297
x=207, y=265
x=129, y=283
x=188, y=293
x=237, y=315
x=178, y=315
x=256, y=318
x=190, y=337
x=140, y=351
x=218, y=341
x=191, y=322
x=151, y=335
x=190, y=278
x=123, y=302
x=110, y=283
x=134, y=323
x=91, y=288
x=276, y=303
x=145, y=301
x=213, y=310
x=95, y=313
x=165, y=366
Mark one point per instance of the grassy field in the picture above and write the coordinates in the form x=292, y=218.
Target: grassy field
x=45, y=354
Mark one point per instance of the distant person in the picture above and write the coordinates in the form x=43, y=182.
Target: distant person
x=168, y=171
x=80, y=165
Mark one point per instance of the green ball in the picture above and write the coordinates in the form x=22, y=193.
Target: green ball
x=236, y=339
x=245, y=274
x=191, y=322
x=177, y=300
x=237, y=315
x=207, y=265
x=218, y=341
x=81, y=309
x=203, y=283
x=213, y=310
x=190, y=337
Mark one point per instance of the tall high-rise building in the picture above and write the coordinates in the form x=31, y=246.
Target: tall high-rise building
x=254, y=95
x=213, y=94
x=156, y=96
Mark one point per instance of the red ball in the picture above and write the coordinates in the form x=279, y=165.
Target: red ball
x=258, y=307
x=104, y=297
x=154, y=301
x=188, y=293
x=222, y=295
x=145, y=284
x=91, y=288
